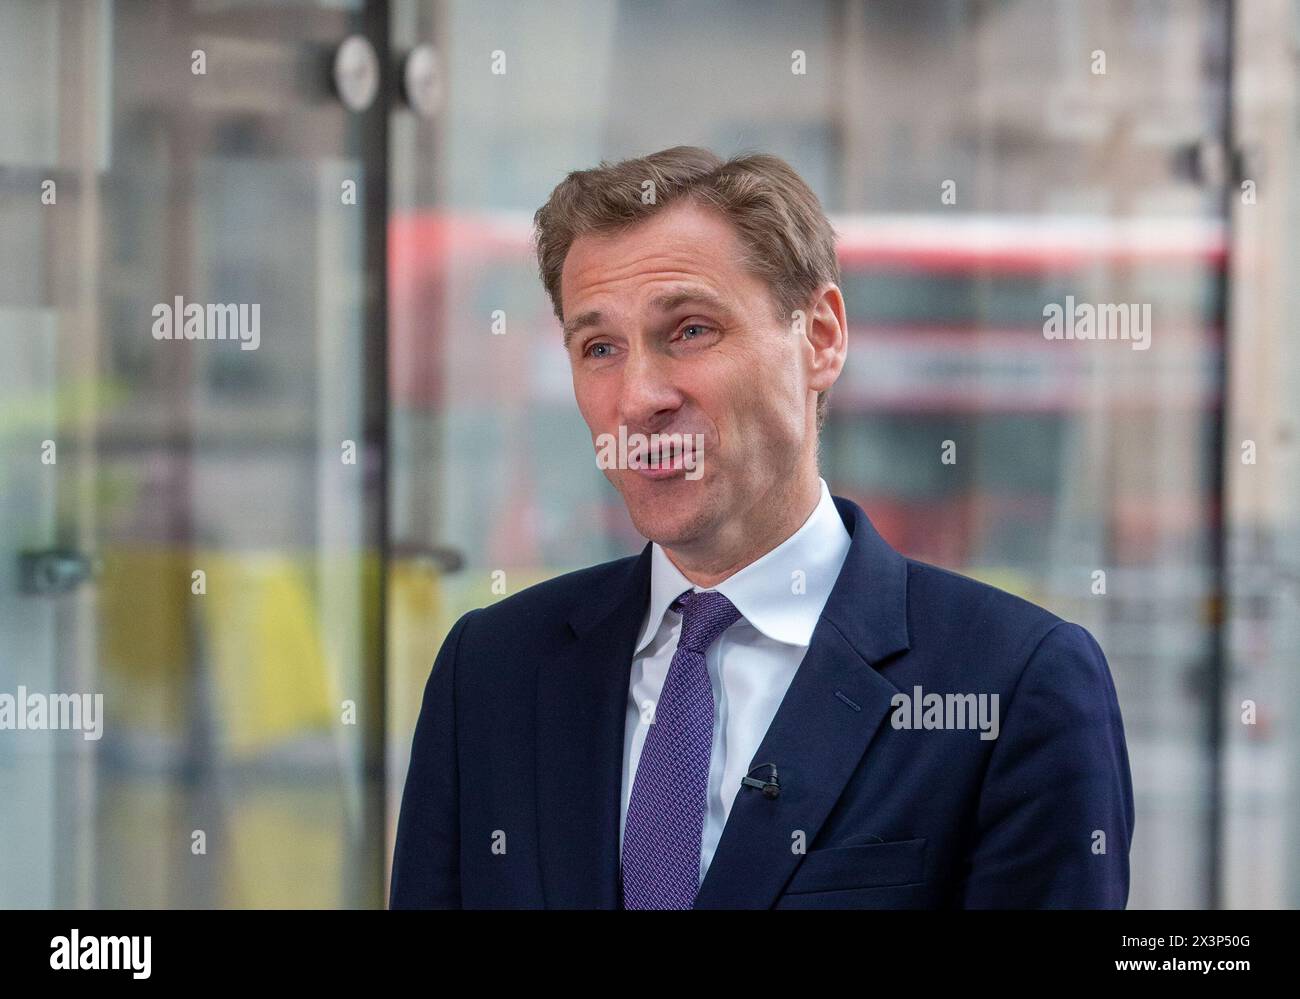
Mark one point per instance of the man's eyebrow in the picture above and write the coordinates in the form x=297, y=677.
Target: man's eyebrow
x=580, y=322
x=676, y=297
x=666, y=302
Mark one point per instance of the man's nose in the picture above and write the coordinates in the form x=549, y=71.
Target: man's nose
x=648, y=397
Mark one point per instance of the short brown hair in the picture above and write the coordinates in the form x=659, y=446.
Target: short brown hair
x=788, y=240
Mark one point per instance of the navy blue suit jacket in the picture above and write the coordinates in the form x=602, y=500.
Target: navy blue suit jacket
x=513, y=795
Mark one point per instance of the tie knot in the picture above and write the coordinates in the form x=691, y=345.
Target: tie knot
x=706, y=614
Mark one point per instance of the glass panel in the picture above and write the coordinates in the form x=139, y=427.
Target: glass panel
x=1073, y=457
x=226, y=480
x=1262, y=693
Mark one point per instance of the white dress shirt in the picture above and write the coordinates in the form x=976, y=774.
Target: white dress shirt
x=780, y=597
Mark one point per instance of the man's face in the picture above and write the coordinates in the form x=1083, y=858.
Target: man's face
x=669, y=334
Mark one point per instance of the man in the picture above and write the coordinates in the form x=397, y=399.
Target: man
x=769, y=706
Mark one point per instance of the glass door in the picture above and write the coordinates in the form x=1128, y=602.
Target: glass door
x=192, y=212
x=982, y=162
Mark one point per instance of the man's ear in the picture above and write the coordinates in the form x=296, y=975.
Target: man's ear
x=827, y=334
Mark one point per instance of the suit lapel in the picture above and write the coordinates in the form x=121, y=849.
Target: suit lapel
x=830, y=712
x=833, y=707
x=582, y=692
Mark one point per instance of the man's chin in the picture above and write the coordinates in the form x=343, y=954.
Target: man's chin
x=670, y=517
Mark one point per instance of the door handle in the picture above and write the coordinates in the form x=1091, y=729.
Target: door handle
x=58, y=570
x=441, y=558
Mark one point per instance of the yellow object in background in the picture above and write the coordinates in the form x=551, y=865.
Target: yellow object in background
x=256, y=632
x=264, y=651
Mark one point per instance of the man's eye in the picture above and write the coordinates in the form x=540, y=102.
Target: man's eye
x=692, y=326
x=597, y=346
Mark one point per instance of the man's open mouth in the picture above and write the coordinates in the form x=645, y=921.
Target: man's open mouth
x=669, y=457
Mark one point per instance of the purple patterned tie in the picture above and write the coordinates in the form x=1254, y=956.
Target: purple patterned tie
x=665, y=813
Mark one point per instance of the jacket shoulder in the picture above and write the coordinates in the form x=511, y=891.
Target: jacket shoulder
x=941, y=600
x=553, y=600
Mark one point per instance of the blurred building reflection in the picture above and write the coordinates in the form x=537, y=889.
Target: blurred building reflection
x=980, y=161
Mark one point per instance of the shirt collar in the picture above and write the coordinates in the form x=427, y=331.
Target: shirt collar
x=781, y=594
